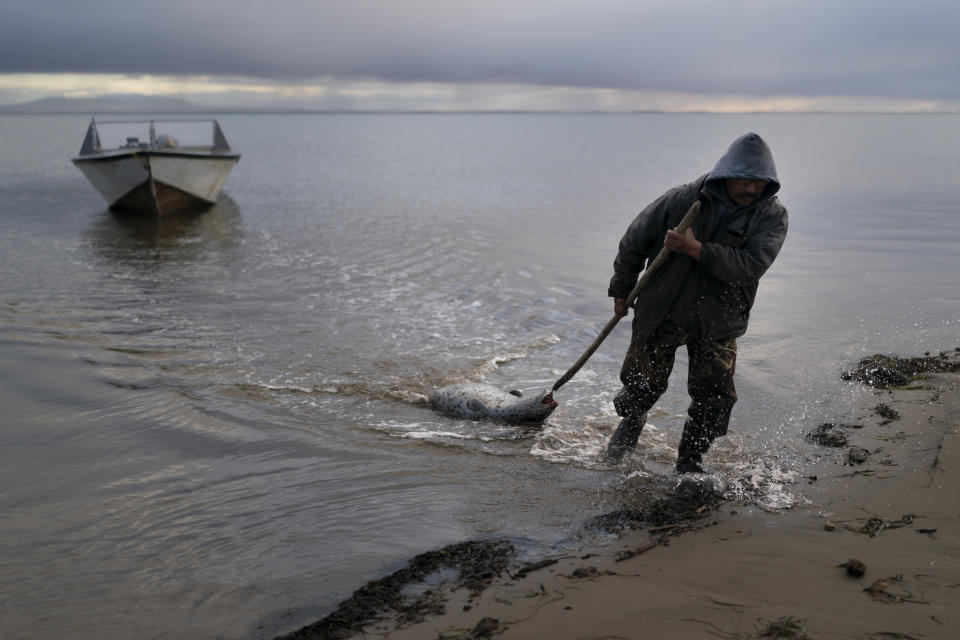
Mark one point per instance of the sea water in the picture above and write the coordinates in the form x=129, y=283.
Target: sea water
x=216, y=425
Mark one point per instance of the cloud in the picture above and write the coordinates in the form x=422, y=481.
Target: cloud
x=803, y=48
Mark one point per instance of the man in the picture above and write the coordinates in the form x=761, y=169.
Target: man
x=701, y=297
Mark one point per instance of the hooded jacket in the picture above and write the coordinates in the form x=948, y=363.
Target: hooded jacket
x=710, y=297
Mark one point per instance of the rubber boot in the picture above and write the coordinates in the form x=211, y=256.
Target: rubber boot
x=690, y=452
x=689, y=463
x=626, y=436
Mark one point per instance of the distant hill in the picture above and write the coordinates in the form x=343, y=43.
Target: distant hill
x=118, y=103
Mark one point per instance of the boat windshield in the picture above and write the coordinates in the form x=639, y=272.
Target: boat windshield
x=179, y=135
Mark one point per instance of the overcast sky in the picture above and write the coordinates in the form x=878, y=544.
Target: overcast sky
x=496, y=54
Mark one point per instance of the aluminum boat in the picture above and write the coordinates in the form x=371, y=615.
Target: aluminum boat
x=170, y=166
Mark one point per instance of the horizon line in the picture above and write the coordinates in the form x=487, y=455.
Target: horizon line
x=17, y=109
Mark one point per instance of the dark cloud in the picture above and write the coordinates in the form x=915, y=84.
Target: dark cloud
x=882, y=48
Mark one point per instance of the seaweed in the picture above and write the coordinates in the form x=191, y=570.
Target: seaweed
x=690, y=501
x=784, y=628
x=828, y=435
x=477, y=562
x=626, y=554
x=581, y=573
x=857, y=455
x=886, y=372
x=880, y=591
x=854, y=567
x=874, y=526
x=885, y=412
x=788, y=628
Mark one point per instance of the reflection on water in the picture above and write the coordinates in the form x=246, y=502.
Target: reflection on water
x=118, y=235
x=215, y=424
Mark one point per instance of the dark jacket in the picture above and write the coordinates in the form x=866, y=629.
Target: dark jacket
x=710, y=297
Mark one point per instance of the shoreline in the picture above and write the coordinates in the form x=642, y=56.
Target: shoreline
x=873, y=551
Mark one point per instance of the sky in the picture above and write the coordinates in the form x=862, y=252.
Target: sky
x=616, y=55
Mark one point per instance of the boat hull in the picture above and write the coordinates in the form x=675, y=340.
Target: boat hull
x=157, y=182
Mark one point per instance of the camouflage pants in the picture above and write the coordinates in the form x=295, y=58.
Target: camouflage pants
x=646, y=370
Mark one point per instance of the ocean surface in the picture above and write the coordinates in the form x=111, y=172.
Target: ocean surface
x=216, y=426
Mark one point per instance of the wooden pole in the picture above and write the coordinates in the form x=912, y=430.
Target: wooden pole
x=685, y=223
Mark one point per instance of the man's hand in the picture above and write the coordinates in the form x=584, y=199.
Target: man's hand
x=620, y=307
x=684, y=243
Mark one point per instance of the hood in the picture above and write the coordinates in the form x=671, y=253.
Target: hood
x=748, y=157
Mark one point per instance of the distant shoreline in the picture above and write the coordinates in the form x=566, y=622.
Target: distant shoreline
x=18, y=111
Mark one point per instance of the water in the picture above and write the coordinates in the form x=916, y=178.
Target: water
x=216, y=426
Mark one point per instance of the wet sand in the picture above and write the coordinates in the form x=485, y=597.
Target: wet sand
x=740, y=572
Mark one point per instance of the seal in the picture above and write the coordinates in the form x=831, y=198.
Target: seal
x=476, y=401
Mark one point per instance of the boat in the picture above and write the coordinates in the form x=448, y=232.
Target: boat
x=181, y=169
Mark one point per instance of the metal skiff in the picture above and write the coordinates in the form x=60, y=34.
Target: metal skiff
x=158, y=175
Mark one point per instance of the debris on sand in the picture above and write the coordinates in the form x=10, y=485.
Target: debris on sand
x=885, y=412
x=486, y=627
x=857, y=455
x=885, y=372
x=854, y=567
x=880, y=590
x=534, y=566
x=632, y=553
x=584, y=572
x=477, y=563
x=787, y=628
x=691, y=500
x=874, y=526
x=829, y=435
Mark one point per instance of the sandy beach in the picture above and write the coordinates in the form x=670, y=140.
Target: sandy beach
x=873, y=551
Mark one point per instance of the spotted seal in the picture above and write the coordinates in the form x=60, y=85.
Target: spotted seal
x=476, y=401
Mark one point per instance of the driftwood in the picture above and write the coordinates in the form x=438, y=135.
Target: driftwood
x=632, y=553
x=533, y=566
